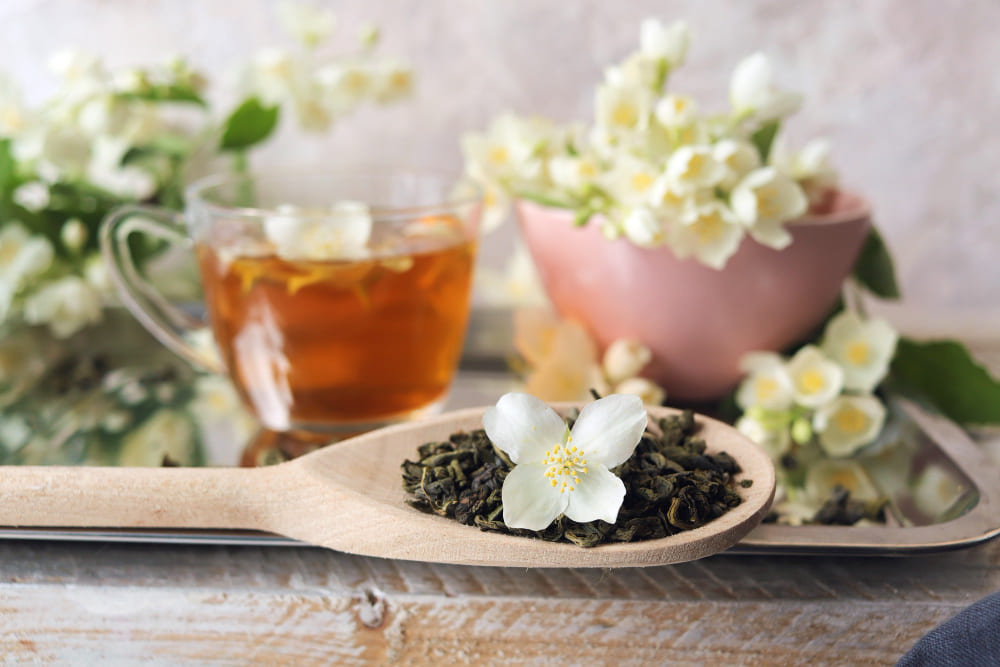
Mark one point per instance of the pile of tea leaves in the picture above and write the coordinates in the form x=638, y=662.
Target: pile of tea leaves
x=671, y=485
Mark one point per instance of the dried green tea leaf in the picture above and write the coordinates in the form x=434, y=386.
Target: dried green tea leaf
x=671, y=485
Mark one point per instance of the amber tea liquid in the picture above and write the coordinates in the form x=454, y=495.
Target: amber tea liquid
x=316, y=344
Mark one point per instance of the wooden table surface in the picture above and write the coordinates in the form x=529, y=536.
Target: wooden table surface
x=94, y=603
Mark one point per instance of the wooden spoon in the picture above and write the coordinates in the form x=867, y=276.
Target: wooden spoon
x=349, y=497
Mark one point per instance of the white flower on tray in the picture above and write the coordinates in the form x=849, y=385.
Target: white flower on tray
x=767, y=385
x=624, y=359
x=22, y=257
x=862, y=347
x=816, y=380
x=65, y=305
x=848, y=423
x=558, y=471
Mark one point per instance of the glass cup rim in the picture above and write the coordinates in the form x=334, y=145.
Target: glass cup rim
x=196, y=190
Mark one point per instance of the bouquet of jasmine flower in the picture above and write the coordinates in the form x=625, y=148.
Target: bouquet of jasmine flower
x=113, y=136
x=657, y=169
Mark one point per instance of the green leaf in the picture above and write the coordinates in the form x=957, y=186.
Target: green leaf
x=943, y=373
x=763, y=139
x=874, y=269
x=166, y=93
x=8, y=168
x=250, y=123
x=544, y=200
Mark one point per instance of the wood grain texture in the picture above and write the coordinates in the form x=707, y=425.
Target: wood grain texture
x=122, y=603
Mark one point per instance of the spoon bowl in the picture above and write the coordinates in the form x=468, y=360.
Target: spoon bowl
x=349, y=497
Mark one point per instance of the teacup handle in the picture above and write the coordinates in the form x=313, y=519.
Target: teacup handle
x=165, y=321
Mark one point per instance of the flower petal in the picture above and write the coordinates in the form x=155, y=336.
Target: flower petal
x=524, y=427
x=529, y=499
x=608, y=429
x=598, y=495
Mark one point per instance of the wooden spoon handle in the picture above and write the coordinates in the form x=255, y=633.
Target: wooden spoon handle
x=132, y=497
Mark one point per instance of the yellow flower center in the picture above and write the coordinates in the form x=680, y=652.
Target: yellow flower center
x=694, y=166
x=624, y=115
x=845, y=479
x=767, y=206
x=765, y=388
x=851, y=420
x=641, y=182
x=859, y=352
x=588, y=169
x=356, y=81
x=811, y=381
x=680, y=104
x=565, y=465
x=499, y=155
x=709, y=228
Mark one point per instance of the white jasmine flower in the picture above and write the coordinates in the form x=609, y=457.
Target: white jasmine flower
x=33, y=195
x=863, y=348
x=643, y=228
x=848, y=423
x=775, y=439
x=625, y=358
x=572, y=173
x=393, y=82
x=345, y=85
x=116, y=421
x=275, y=74
x=694, y=167
x=308, y=24
x=823, y=476
x=767, y=385
x=647, y=390
x=676, y=111
x=810, y=166
x=738, y=157
x=224, y=425
x=508, y=151
x=672, y=199
x=562, y=355
x=129, y=182
x=623, y=109
x=14, y=432
x=935, y=490
x=75, y=66
x=95, y=272
x=22, y=256
x=65, y=305
x=764, y=200
x=669, y=42
x=816, y=380
x=518, y=285
x=558, y=471
x=753, y=93
x=57, y=150
x=166, y=434
x=710, y=232
x=631, y=180
x=13, y=115
x=310, y=111
x=340, y=234
x=74, y=234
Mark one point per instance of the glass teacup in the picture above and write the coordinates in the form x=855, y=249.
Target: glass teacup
x=338, y=302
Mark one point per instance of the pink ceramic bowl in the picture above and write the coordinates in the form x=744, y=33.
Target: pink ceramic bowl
x=697, y=321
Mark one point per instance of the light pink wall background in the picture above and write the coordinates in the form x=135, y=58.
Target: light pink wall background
x=908, y=90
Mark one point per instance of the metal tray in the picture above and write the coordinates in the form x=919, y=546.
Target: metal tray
x=976, y=518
